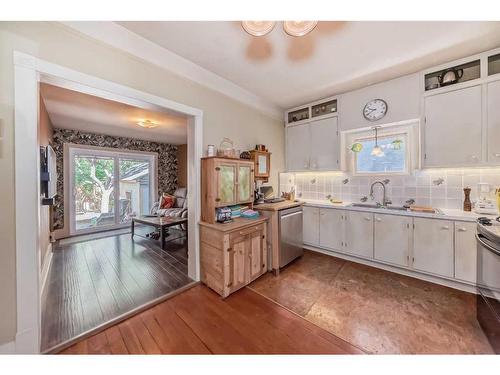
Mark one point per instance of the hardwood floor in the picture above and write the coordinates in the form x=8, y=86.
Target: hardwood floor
x=198, y=321
x=98, y=280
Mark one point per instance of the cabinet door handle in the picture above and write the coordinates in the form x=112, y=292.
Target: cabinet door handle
x=445, y=227
x=367, y=218
x=462, y=229
x=378, y=219
x=497, y=155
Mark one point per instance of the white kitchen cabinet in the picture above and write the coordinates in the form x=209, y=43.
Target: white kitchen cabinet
x=324, y=144
x=465, y=251
x=494, y=122
x=298, y=147
x=452, y=133
x=331, y=228
x=392, y=239
x=310, y=224
x=358, y=238
x=433, y=249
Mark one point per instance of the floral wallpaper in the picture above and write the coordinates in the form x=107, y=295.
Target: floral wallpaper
x=167, y=161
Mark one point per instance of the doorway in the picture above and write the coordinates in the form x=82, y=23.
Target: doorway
x=29, y=72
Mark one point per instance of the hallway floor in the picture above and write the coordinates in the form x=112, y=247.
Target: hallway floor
x=378, y=311
x=97, y=280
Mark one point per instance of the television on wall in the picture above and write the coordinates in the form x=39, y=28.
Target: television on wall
x=48, y=175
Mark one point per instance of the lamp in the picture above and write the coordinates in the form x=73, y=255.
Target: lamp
x=258, y=28
x=377, y=150
x=299, y=28
x=147, y=124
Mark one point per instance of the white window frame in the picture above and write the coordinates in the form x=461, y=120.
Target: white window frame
x=404, y=172
x=74, y=149
x=409, y=129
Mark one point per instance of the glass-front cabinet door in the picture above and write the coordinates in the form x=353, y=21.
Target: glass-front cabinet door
x=226, y=184
x=245, y=185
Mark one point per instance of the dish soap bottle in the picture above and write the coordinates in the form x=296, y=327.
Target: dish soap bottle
x=467, y=202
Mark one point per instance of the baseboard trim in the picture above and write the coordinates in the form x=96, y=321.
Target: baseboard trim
x=47, y=262
x=386, y=267
x=66, y=344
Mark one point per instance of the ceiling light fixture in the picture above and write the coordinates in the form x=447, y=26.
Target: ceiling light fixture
x=147, y=124
x=377, y=150
x=258, y=28
x=299, y=28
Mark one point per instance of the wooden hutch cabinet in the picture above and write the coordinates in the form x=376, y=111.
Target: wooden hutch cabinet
x=233, y=255
x=225, y=182
x=262, y=160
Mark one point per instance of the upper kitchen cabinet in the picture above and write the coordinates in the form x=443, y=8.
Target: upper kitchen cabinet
x=402, y=96
x=493, y=130
x=313, y=146
x=298, y=147
x=324, y=144
x=452, y=129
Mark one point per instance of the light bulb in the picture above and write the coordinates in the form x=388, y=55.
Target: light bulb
x=258, y=28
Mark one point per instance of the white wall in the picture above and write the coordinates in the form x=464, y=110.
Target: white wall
x=401, y=94
x=223, y=117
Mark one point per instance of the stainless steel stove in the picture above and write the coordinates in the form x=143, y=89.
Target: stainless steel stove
x=488, y=280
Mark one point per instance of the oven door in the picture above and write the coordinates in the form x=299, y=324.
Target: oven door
x=488, y=283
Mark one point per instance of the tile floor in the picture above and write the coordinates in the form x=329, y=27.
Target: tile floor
x=379, y=311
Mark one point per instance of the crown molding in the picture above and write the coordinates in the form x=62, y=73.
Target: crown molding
x=121, y=38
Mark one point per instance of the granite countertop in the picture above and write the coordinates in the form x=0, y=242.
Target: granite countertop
x=237, y=223
x=277, y=206
x=444, y=214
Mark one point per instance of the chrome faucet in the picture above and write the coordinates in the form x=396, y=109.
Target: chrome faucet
x=385, y=201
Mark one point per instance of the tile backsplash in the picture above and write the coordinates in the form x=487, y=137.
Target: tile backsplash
x=440, y=188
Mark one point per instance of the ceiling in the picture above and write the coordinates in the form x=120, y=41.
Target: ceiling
x=70, y=109
x=336, y=57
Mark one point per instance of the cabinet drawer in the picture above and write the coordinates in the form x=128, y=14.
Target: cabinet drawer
x=246, y=231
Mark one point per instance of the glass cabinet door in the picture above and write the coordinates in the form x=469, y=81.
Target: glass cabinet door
x=226, y=184
x=262, y=165
x=244, y=183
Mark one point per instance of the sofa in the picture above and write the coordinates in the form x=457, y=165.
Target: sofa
x=180, y=208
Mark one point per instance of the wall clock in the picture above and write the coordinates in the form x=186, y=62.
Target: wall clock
x=375, y=109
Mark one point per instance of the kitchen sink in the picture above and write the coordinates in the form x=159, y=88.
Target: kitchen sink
x=370, y=205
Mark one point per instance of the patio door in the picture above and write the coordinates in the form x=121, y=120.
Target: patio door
x=108, y=188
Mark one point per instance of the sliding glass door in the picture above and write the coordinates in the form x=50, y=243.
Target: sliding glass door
x=109, y=188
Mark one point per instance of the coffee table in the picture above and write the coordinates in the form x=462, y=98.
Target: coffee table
x=161, y=223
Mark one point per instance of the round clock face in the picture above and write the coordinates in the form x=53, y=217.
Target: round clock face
x=375, y=109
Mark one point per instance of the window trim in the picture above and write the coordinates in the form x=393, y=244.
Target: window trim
x=409, y=127
x=405, y=172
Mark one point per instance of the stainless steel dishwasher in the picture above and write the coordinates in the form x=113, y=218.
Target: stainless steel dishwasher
x=290, y=235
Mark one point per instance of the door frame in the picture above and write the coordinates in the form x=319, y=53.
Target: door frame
x=71, y=149
x=29, y=71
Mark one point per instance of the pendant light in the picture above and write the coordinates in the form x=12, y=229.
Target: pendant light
x=377, y=150
x=299, y=28
x=258, y=28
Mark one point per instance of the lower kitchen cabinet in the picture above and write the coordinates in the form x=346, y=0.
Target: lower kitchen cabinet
x=310, y=221
x=232, y=255
x=433, y=249
x=331, y=228
x=392, y=239
x=358, y=238
x=465, y=252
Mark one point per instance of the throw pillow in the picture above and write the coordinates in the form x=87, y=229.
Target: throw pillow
x=167, y=201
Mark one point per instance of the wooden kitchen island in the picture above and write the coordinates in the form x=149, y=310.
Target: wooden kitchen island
x=233, y=254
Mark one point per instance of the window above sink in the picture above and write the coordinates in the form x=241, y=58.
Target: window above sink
x=392, y=151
